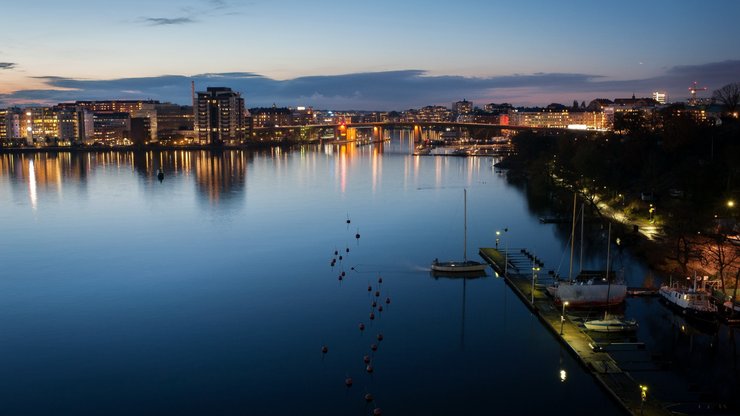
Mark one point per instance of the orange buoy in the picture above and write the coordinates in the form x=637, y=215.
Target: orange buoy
x=369, y=397
x=369, y=368
x=374, y=347
x=348, y=381
x=366, y=359
x=372, y=316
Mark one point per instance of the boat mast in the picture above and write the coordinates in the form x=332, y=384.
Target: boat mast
x=465, y=225
x=572, y=236
x=580, y=262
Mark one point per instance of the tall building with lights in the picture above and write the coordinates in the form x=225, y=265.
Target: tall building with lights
x=219, y=116
x=660, y=96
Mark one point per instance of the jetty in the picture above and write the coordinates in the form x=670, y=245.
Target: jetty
x=593, y=355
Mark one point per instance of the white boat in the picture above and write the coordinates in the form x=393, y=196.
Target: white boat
x=464, y=266
x=692, y=301
x=590, y=288
x=611, y=324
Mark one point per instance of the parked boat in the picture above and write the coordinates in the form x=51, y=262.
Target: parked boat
x=694, y=302
x=594, y=288
x=464, y=266
x=611, y=324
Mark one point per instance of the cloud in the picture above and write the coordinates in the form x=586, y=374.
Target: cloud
x=7, y=65
x=386, y=90
x=165, y=21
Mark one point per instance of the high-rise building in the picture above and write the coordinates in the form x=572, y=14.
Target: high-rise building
x=660, y=96
x=462, y=107
x=219, y=116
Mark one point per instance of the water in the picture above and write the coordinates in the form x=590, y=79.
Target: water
x=211, y=292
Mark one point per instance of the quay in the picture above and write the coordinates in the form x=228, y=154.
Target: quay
x=596, y=359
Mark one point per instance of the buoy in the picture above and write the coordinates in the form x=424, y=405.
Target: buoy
x=343, y=274
x=348, y=381
x=324, y=349
x=387, y=301
x=347, y=249
x=377, y=293
x=340, y=257
x=380, y=280
x=374, y=347
x=357, y=236
x=361, y=326
x=372, y=316
x=369, y=368
x=374, y=304
x=369, y=397
x=369, y=288
x=380, y=336
x=336, y=252
x=340, y=277
x=366, y=359
x=377, y=412
x=380, y=308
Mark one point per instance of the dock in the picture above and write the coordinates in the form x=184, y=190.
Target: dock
x=592, y=355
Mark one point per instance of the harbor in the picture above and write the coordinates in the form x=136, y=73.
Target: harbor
x=594, y=354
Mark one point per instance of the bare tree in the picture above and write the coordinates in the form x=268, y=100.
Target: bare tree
x=728, y=96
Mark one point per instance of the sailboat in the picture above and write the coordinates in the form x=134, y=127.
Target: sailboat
x=590, y=287
x=610, y=323
x=464, y=266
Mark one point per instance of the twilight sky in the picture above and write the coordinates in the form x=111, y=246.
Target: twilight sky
x=372, y=55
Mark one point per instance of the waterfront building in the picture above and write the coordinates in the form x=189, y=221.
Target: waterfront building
x=220, y=116
x=175, y=123
x=271, y=116
x=502, y=108
x=431, y=114
x=147, y=111
x=112, y=128
x=303, y=116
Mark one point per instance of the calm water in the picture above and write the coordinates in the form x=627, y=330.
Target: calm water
x=212, y=292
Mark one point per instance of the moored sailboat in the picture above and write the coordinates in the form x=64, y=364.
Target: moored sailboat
x=464, y=266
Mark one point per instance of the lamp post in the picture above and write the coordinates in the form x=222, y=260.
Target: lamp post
x=562, y=317
x=498, y=235
x=535, y=269
x=643, y=396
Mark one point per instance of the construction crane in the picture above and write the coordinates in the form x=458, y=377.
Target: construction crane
x=693, y=90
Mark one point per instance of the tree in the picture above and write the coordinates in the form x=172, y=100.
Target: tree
x=729, y=97
x=575, y=104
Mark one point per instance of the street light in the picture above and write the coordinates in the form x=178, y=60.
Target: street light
x=563, y=375
x=643, y=395
x=498, y=234
x=562, y=317
x=535, y=269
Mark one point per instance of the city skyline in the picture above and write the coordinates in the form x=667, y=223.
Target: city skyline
x=350, y=56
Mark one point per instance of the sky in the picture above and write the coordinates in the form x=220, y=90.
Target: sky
x=370, y=55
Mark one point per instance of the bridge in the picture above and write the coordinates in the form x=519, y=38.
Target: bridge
x=348, y=131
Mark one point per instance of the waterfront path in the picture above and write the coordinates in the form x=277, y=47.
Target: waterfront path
x=618, y=383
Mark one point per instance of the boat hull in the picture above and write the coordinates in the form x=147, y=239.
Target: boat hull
x=692, y=304
x=458, y=266
x=588, y=295
x=611, y=325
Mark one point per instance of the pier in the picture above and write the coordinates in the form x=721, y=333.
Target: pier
x=594, y=356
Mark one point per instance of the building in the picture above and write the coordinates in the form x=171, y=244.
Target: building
x=220, y=117
x=114, y=106
x=660, y=96
x=502, y=108
x=302, y=116
x=462, y=107
x=175, y=123
x=271, y=116
x=112, y=128
x=430, y=114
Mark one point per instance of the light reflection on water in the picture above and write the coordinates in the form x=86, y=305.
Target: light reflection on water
x=212, y=291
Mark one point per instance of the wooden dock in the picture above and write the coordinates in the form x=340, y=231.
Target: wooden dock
x=618, y=383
